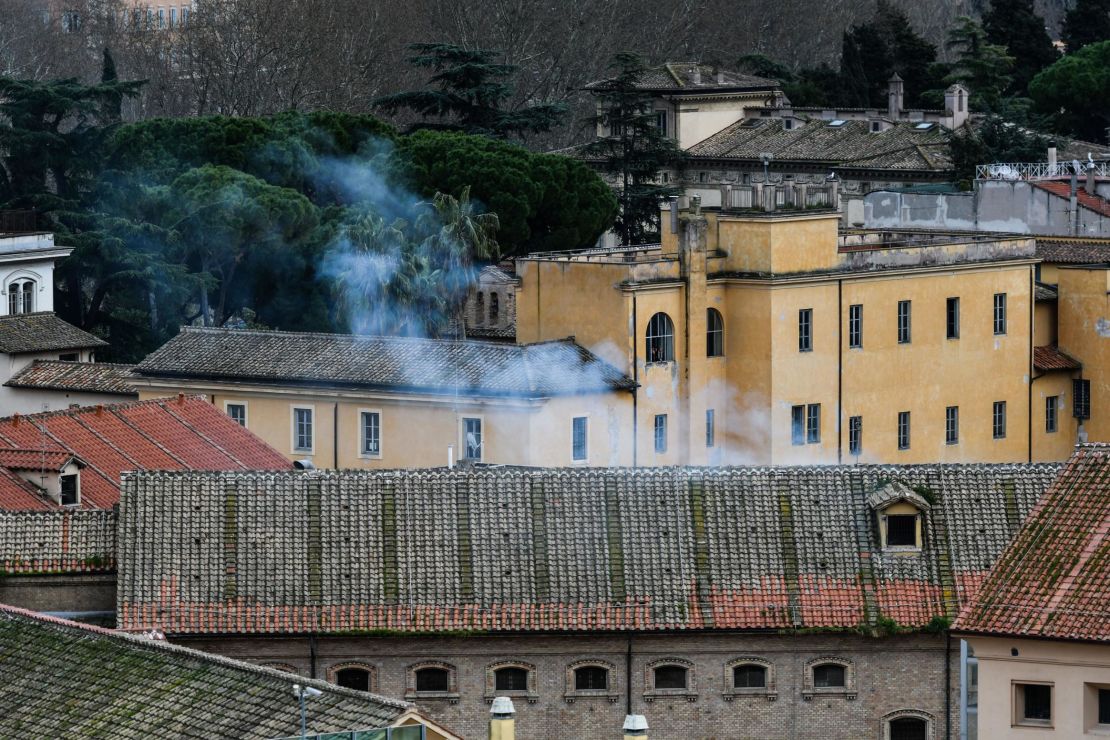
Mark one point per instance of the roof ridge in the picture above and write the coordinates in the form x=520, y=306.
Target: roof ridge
x=327, y=334
x=82, y=410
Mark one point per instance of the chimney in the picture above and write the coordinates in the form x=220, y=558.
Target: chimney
x=697, y=74
x=635, y=727
x=895, y=97
x=180, y=399
x=100, y=409
x=956, y=106
x=502, y=726
x=1091, y=186
x=720, y=77
x=1052, y=160
x=15, y=419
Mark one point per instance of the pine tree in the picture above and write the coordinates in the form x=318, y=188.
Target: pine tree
x=469, y=92
x=635, y=150
x=1015, y=25
x=1087, y=23
x=984, y=68
x=874, y=51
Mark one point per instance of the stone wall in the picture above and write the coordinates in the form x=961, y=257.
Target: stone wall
x=886, y=675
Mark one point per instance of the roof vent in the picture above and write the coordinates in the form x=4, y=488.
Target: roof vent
x=303, y=464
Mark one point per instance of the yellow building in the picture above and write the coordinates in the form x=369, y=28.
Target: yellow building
x=394, y=402
x=771, y=338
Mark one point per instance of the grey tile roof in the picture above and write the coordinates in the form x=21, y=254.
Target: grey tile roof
x=1075, y=252
x=42, y=332
x=62, y=679
x=430, y=365
x=57, y=540
x=901, y=147
x=555, y=549
x=679, y=77
x=86, y=377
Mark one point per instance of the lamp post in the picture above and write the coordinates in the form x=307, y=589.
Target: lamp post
x=301, y=692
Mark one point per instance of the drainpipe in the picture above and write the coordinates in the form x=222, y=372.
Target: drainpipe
x=1032, y=341
x=636, y=380
x=335, y=435
x=628, y=679
x=312, y=655
x=1073, y=203
x=947, y=685
x=839, y=372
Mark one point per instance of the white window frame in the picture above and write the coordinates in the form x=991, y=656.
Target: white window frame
x=655, y=427
x=1000, y=317
x=362, y=435
x=293, y=409
x=482, y=441
x=905, y=322
x=246, y=411
x=855, y=429
x=998, y=420
x=951, y=425
x=1052, y=414
x=908, y=418
x=855, y=326
x=586, y=451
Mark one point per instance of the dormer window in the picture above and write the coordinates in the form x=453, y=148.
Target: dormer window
x=70, y=490
x=21, y=296
x=876, y=127
x=900, y=511
x=901, y=530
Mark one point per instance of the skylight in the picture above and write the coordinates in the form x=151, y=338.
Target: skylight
x=924, y=126
x=836, y=123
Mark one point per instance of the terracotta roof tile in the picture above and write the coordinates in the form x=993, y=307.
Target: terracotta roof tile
x=64, y=679
x=538, y=550
x=67, y=540
x=42, y=332
x=88, y=377
x=1074, y=251
x=52, y=460
x=16, y=494
x=1062, y=189
x=1050, y=357
x=1051, y=581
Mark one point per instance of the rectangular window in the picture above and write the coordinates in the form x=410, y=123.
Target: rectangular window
x=999, y=313
x=238, y=412
x=952, y=425
x=1034, y=703
x=661, y=122
x=952, y=319
x=855, y=435
x=855, y=326
x=1051, y=408
x=472, y=438
x=1081, y=399
x=813, y=423
x=903, y=322
x=901, y=530
x=798, y=425
x=1104, y=706
x=805, y=330
x=903, y=430
x=578, y=439
x=371, y=433
x=173, y=17
x=302, y=430
x=69, y=490
x=660, y=433
x=1000, y=420
x=710, y=428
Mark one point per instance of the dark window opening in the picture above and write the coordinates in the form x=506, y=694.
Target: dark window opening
x=903, y=430
x=660, y=433
x=511, y=679
x=952, y=425
x=494, y=307
x=829, y=676
x=670, y=677
x=798, y=425
x=952, y=322
x=855, y=435
x=69, y=490
x=749, y=676
x=1081, y=399
x=999, y=420
x=909, y=728
x=69, y=357
x=813, y=423
x=715, y=334
x=855, y=326
x=660, y=339
x=1104, y=706
x=901, y=530
x=904, y=322
x=238, y=412
x=1038, y=701
x=591, y=678
x=1051, y=406
x=999, y=313
x=433, y=679
x=353, y=678
x=805, y=330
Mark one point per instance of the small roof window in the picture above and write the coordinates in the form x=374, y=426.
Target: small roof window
x=924, y=126
x=837, y=123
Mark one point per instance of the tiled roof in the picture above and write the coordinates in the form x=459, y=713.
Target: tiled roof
x=901, y=147
x=496, y=274
x=64, y=679
x=1050, y=357
x=87, y=377
x=183, y=433
x=679, y=77
x=555, y=549
x=41, y=459
x=1062, y=189
x=16, y=494
x=1045, y=292
x=1076, y=252
x=429, y=365
x=42, y=332
x=1052, y=580
x=56, y=540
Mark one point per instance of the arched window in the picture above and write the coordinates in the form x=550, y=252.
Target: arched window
x=494, y=307
x=749, y=676
x=908, y=728
x=670, y=677
x=511, y=678
x=353, y=678
x=829, y=676
x=21, y=296
x=433, y=679
x=714, y=334
x=591, y=678
x=660, y=339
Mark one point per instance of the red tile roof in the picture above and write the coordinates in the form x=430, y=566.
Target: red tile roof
x=52, y=460
x=1052, y=580
x=166, y=434
x=1062, y=188
x=1050, y=357
x=17, y=494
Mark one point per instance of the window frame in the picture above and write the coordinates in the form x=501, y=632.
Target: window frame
x=905, y=322
x=855, y=435
x=952, y=425
x=714, y=333
x=530, y=693
x=659, y=334
x=362, y=451
x=293, y=409
x=855, y=326
x=571, y=691
x=240, y=404
x=22, y=290
x=798, y=425
x=809, y=683
x=451, y=695
x=768, y=691
x=1017, y=699
x=464, y=446
x=689, y=692
x=813, y=424
x=372, y=680
x=915, y=527
x=998, y=420
x=1081, y=398
x=585, y=457
x=805, y=329
x=659, y=434
x=930, y=721
x=710, y=428
x=1000, y=317
x=76, y=478
x=1051, y=414
x=904, y=426
x=952, y=318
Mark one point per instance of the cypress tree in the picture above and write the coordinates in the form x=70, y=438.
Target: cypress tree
x=1087, y=23
x=1016, y=25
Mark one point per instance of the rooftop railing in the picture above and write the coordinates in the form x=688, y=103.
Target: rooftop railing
x=1039, y=170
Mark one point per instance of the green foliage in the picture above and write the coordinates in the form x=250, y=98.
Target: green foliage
x=993, y=140
x=1087, y=23
x=874, y=51
x=938, y=625
x=635, y=151
x=1015, y=25
x=1076, y=92
x=469, y=92
x=984, y=68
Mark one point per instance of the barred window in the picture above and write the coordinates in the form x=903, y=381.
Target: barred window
x=829, y=676
x=952, y=319
x=670, y=677
x=433, y=680
x=749, y=676
x=660, y=339
x=591, y=678
x=511, y=678
x=1081, y=399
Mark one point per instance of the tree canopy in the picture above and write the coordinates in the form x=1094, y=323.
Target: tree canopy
x=1075, y=91
x=1087, y=23
x=1015, y=25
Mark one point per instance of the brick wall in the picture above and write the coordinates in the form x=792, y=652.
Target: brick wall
x=887, y=675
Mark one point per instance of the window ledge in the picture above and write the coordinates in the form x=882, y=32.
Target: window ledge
x=450, y=697
x=531, y=696
x=611, y=696
x=370, y=455
x=902, y=549
x=686, y=694
x=849, y=694
x=768, y=694
x=1043, y=724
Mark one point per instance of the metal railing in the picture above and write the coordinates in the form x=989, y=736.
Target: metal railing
x=18, y=222
x=1039, y=170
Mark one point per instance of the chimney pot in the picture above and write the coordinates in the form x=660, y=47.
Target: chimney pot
x=180, y=399
x=720, y=77
x=697, y=74
x=15, y=419
x=100, y=409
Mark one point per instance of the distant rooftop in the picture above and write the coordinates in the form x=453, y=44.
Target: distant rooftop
x=693, y=77
x=42, y=332
x=84, y=377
